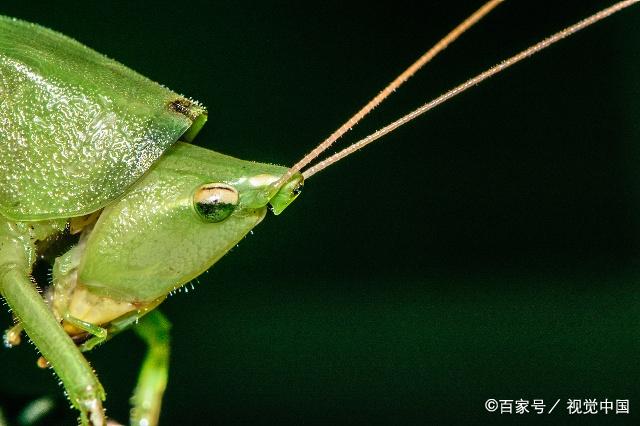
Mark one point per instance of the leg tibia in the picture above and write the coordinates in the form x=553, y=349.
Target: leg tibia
x=82, y=386
x=152, y=381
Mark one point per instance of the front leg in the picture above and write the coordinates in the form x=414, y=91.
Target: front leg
x=82, y=386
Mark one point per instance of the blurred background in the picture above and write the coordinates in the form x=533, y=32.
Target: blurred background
x=488, y=250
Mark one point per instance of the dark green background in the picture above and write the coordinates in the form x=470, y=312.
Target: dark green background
x=489, y=250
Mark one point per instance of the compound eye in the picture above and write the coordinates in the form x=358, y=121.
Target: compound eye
x=215, y=202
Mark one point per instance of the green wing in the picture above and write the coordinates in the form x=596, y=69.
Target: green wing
x=76, y=128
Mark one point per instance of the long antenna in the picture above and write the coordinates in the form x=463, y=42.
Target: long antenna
x=469, y=83
x=391, y=87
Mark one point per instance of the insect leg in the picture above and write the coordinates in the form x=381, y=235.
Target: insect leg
x=117, y=326
x=147, y=398
x=86, y=326
x=82, y=386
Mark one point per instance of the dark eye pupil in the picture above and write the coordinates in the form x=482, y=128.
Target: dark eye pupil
x=216, y=211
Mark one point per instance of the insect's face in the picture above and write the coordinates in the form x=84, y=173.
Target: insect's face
x=181, y=218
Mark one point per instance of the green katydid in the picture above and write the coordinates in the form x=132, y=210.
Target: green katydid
x=215, y=201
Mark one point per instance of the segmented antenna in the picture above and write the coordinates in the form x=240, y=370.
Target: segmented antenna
x=469, y=83
x=394, y=85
